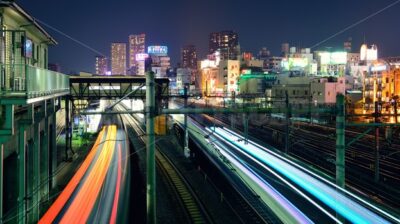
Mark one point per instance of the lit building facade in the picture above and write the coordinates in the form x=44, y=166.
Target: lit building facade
x=210, y=80
x=230, y=70
x=381, y=87
x=255, y=83
x=331, y=63
x=101, y=66
x=136, y=46
x=118, y=59
x=301, y=62
x=225, y=41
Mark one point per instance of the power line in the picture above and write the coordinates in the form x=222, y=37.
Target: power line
x=71, y=38
x=357, y=23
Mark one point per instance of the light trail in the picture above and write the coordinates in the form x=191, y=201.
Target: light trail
x=57, y=206
x=113, y=218
x=284, y=209
x=82, y=205
x=290, y=185
x=372, y=206
x=328, y=195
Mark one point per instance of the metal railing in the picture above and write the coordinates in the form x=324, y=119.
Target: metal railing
x=30, y=81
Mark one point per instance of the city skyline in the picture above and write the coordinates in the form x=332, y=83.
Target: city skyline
x=265, y=28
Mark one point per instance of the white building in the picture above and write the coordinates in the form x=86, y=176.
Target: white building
x=183, y=77
x=230, y=70
x=303, y=90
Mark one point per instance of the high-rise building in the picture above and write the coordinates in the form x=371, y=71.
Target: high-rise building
x=285, y=49
x=227, y=42
x=118, y=59
x=264, y=53
x=347, y=45
x=101, y=65
x=189, y=57
x=136, y=46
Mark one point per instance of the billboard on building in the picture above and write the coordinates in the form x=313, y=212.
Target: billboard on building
x=157, y=49
x=333, y=58
x=368, y=54
x=292, y=63
x=28, y=48
x=141, y=56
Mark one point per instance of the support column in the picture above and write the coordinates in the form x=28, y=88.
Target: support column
x=150, y=147
x=9, y=120
x=233, y=105
x=45, y=171
x=377, y=147
x=21, y=164
x=340, y=141
x=36, y=173
x=287, y=123
x=186, y=150
x=53, y=150
x=67, y=127
x=246, y=127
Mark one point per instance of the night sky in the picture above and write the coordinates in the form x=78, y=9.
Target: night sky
x=178, y=22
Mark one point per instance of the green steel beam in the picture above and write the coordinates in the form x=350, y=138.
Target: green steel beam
x=150, y=148
x=211, y=111
x=112, y=112
x=340, y=141
x=359, y=137
x=185, y=124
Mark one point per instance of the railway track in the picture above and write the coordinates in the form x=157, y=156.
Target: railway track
x=189, y=202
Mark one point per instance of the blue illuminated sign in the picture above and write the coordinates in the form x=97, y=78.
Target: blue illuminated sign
x=157, y=49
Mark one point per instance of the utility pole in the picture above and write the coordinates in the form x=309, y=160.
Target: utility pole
x=340, y=141
x=288, y=114
x=186, y=150
x=67, y=127
x=233, y=105
x=246, y=127
x=150, y=149
x=377, y=154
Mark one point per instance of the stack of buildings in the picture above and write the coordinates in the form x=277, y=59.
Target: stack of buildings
x=306, y=76
x=129, y=59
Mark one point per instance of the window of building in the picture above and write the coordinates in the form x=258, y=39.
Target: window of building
x=294, y=92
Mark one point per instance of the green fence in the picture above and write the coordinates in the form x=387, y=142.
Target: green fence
x=30, y=81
